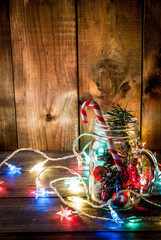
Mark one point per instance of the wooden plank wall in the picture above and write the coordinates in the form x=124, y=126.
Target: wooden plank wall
x=57, y=54
x=109, y=40
x=8, y=138
x=151, y=118
x=44, y=62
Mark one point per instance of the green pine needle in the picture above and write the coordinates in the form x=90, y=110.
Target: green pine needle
x=120, y=116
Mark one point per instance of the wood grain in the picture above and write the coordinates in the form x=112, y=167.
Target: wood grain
x=44, y=61
x=30, y=215
x=23, y=185
x=25, y=214
x=8, y=139
x=109, y=54
x=44, y=76
x=82, y=235
x=151, y=127
x=85, y=235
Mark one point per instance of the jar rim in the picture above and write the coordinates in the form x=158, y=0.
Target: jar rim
x=133, y=123
x=116, y=132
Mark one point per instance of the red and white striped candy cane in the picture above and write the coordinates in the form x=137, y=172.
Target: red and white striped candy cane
x=97, y=110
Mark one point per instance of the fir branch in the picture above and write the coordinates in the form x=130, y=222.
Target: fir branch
x=120, y=116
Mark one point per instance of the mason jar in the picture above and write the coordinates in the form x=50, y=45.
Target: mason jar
x=139, y=165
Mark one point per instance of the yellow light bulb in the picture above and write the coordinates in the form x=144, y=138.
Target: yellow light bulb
x=75, y=186
x=37, y=167
x=75, y=199
x=143, y=144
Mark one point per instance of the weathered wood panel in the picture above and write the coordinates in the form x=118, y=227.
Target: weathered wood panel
x=109, y=54
x=44, y=61
x=151, y=127
x=7, y=107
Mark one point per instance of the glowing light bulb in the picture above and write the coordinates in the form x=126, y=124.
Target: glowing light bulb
x=1, y=188
x=40, y=191
x=101, y=150
x=65, y=213
x=143, y=144
x=75, y=199
x=87, y=158
x=75, y=186
x=116, y=217
x=13, y=169
x=134, y=219
x=37, y=167
x=142, y=182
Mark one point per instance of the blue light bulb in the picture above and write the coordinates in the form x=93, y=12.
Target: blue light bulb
x=40, y=192
x=13, y=169
x=116, y=217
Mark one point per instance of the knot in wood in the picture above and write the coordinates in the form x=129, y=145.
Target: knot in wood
x=48, y=117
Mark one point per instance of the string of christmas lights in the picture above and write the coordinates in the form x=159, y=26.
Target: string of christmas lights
x=66, y=213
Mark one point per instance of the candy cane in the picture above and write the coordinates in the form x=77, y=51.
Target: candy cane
x=97, y=110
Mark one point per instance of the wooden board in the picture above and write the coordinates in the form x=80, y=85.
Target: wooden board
x=25, y=214
x=44, y=61
x=82, y=235
x=151, y=127
x=24, y=184
x=44, y=78
x=8, y=138
x=109, y=54
x=30, y=215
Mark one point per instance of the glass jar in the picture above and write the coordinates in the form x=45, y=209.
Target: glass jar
x=139, y=165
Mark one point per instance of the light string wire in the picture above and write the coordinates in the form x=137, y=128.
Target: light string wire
x=47, y=158
x=71, y=205
x=65, y=178
x=78, y=155
x=107, y=204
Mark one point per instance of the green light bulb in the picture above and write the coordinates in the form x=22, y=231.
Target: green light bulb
x=101, y=150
